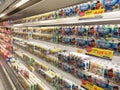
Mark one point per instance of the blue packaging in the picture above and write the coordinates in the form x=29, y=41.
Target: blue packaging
x=83, y=65
x=117, y=79
x=105, y=45
x=116, y=47
x=104, y=31
x=70, y=31
x=79, y=73
x=101, y=83
x=65, y=58
x=67, y=67
x=67, y=40
x=81, y=31
x=66, y=31
x=116, y=32
x=111, y=5
x=84, y=7
x=69, y=11
x=85, y=76
x=81, y=42
x=113, y=87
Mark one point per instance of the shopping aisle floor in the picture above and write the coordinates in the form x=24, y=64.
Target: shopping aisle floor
x=2, y=80
x=1, y=84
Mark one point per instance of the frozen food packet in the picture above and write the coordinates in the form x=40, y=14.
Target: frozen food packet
x=111, y=5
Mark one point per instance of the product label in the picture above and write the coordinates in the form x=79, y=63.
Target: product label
x=97, y=88
x=92, y=13
x=90, y=86
x=80, y=51
x=103, y=53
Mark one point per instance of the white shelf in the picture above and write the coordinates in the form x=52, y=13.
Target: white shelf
x=55, y=69
x=116, y=59
x=107, y=18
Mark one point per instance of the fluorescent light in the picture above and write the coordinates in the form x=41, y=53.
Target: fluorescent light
x=1, y=15
x=18, y=25
x=21, y=3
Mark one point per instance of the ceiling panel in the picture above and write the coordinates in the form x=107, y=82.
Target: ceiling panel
x=45, y=6
x=6, y=4
x=2, y=2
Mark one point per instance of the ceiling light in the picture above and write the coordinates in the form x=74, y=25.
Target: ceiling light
x=16, y=25
x=21, y=3
x=1, y=15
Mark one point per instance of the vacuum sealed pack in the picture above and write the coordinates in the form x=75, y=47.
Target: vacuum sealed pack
x=104, y=44
x=111, y=5
x=116, y=32
x=84, y=7
x=104, y=31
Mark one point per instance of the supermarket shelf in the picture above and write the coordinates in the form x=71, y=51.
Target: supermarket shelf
x=45, y=82
x=116, y=59
x=62, y=73
x=51, y=45
x=36, y=74
x=64, y=47
x=13, y=77
x=107, y=18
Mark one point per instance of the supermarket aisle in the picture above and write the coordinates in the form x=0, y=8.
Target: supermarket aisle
x=55, y=69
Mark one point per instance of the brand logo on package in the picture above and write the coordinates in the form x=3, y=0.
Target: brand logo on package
x=110, y=2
